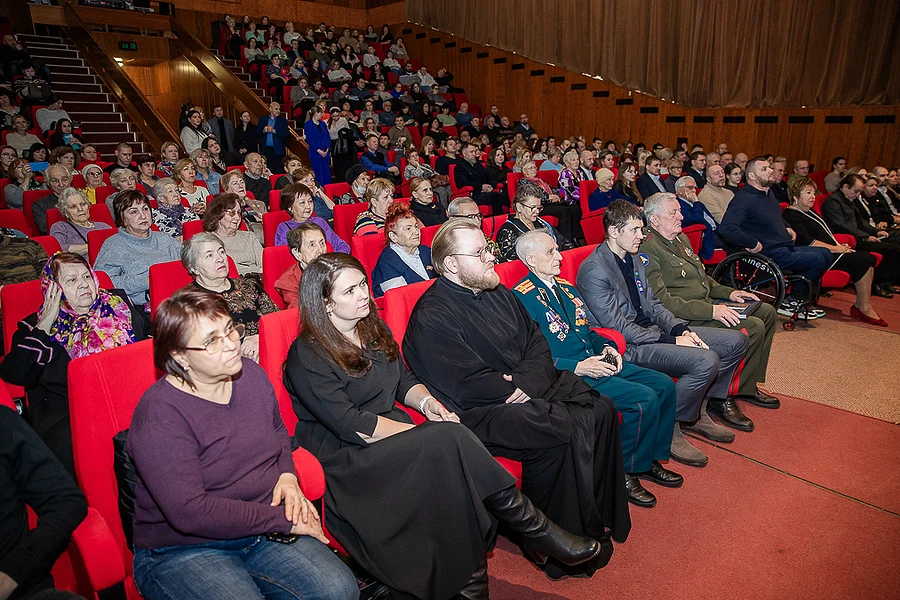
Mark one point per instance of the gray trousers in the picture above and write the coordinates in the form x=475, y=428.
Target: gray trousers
x=700, y=372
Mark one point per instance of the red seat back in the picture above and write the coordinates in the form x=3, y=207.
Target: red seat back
x=511, y=272
x=550, y=177
x=594, y=232
x=276, y=260
x=819, y=178
x=428, y=234
x=50, y=244
x=190, y=229
x=95, y=241
x=367, y=248
x=271, y=221
x=818, y=201
x=277, y=331
x=103, y=192
x=169, y=277
x=512, y=182
x=345, y=218
x=274, y=200
x=571, y=261
x=585, y=189
x=28, y=200
x=694, y=234
x=398, y=306
x=336, y=190
x=491, y=225
x=15, y=219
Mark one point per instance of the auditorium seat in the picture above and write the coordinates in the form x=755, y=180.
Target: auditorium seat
x=454, y=190
x=50, y=244
x=99, y=214
x=571, y=261
x=103, y=192
x=428, y=234
x=585, y=188
x=169, y=277
x=28, y=200
x=511, y=272
x=345, y=218
x=336, y=190
x=594, y=232
x=367, y=248
x=13, y=218
x=491, y=225
x=95, y=242
x=819, y=178
x=274, y=200
x=101, y=404
x=271, y=221
x=276, y=260
x=694, y=234
x=551, y=178
x=512, y=183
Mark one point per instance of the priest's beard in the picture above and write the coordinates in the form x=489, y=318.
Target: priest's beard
x=479, y=280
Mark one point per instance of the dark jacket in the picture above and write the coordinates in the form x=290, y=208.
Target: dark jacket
x=843, y=217
x=647, y=187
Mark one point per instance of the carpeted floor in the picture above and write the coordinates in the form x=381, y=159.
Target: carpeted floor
x=840, y=364
x=838, y=307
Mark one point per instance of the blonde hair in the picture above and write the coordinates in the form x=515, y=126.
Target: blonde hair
x=377, y=187
x=227, y=178
x=181, y=164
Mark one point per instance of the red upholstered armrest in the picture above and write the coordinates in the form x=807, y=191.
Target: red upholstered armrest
x=845, y=238
x=310, y=474
x=99, y=551
x=417, y=417
x=613, y=335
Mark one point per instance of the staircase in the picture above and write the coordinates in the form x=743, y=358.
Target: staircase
x=235, y=67
x=103, y=123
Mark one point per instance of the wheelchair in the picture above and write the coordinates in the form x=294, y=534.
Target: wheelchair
x=760, y=275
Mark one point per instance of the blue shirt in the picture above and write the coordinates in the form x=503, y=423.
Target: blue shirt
x=270, y=137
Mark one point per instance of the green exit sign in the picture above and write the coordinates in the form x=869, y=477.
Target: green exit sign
x=130, y=46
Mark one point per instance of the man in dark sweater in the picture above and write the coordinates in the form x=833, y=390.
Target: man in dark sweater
x=470, y=172
x=31, y=476
x=451, y=149
x=753, y=222
x=256, y=176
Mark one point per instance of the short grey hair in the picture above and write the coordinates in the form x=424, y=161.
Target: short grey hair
x=653, y=205
x=118, y=174
x=198, y=152
x=528, y=242
x=683, y=181
x=190, y=252
x=571, y=154
x=456, y=204
x=159, y=187
x=64, y=197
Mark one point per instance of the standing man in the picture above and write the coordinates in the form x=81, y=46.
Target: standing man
x=678, y=278
x=273, y=132
x=644, y=398
x=222, y=128
x=613, y=283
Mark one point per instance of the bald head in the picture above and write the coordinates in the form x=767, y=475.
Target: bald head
x=715, y=176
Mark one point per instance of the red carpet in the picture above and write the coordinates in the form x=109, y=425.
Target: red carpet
x=838, y=307
x=737, y=529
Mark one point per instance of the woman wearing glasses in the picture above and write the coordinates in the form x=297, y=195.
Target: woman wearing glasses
x=237, y=524
x=528, y=206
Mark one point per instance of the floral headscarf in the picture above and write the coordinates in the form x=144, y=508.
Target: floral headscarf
x=106, y=325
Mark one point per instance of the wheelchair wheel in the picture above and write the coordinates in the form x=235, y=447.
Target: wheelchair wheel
x=752, y=273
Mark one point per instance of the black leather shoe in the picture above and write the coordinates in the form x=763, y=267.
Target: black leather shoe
x=638, y=494
x=881, y=291
x=762, y=400
x=728, y=413
x=660, y=475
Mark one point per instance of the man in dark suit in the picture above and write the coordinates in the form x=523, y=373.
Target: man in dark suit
x=650, y=182
x=698, y=166
x=470, y=172
x=273, y=132
x=222, y=128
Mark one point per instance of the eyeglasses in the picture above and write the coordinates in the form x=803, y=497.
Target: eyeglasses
x=214, y=346
x=484, y=254
x=473, y=217
x=530, y=206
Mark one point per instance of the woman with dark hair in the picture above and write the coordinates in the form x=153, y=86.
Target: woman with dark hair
x=568, y=215
x=386, y=35
x=237, y=525
x=63, y=136
x=38, y=156
x=192, y=135
x=279, y=76
x=297, y=199
x=245, y=137
x=436, y=132
x=318, y=139
x=733, y=176
x=626, y=184
x=371, y=34
x=77, y=319
x=223, y=217
x=404, y=259
x=526, y=208
x=415, y=506
x=65, y=156
x=21, y=179
x=253, y=53
x=496, y=168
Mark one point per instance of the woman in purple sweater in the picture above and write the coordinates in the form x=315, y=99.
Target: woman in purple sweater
x=218, y=508
x=297, y=199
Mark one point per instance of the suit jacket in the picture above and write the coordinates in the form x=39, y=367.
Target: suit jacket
x=647, y=187
x=606, y=294
x=467, y=174
x=698, y=177
x=843, y=217
x=564, y=324
x=669, y=184
x=228, y=126
x=278, y=138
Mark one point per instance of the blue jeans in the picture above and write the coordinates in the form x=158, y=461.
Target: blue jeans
x=251, y=568
x=808, y=261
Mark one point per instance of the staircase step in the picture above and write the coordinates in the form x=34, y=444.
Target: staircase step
x=105, y=127
x=108, y=116
x=74, y=87
x=111, y=138
x=53, y=60
x=76, y=105
x=74, y=74
x=29, y=38
x=107, y=149
x=51, y=52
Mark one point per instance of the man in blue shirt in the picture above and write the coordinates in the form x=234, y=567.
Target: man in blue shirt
x=373, y=160
x=273, y=132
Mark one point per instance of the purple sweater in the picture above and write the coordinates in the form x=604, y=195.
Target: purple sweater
x=207, y=470
x=331, y=237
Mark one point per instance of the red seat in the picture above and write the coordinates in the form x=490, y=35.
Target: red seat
x=551, y=178
x=336, y=190
x=14, y=218
x=50, y=244
x=451, y=130
x=236, y=168
x=276, y=260
x=694, y=235
x=594, y=232
x=169, y=277
x=367, y=249
x=28, y=200
x=345, y=218
x=511, y=272
x=819, y=178
x=818, y=201
x=428, y=234
x=95, y=242
x=585, y=188
x=491, y=225
x=103, y=192
x=454, y=190
x=99, y=213
x=512, y=183
x=571, y=261
x=271, y=221
x=274, y=200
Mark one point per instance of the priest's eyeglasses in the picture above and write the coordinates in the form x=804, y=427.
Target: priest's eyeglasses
x=484, y=254
x=214, y=345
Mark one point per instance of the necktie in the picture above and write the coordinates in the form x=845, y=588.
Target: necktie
x=558, y=294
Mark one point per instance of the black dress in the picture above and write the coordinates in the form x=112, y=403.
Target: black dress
x=810, y=227
x=408, y=508
x=246, y=139
x=510, y=231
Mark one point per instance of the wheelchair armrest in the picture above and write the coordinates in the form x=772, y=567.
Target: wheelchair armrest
x=309, y=473
x=99, y=551
x=613, y=335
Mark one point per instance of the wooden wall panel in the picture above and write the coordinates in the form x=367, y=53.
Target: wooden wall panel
x=150, y=49
x=554, y=108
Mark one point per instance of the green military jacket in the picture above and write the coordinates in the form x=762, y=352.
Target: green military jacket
x=564, y=325
x=678, y=278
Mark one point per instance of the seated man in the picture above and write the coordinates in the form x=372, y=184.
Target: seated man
x=650, y=182
x=256, y=177
x=645, y=398
x=754, y=222
x=30, y=475
x=470, y=172
x=375, y=161
x=502, y=383
x=466, y=208
x=679, y=280
x=450, y=157
x=695, y=213
x=614, y=287
x=715, y=196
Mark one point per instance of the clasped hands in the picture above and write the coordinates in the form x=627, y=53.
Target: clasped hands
x=297, y=509
x=597, y=367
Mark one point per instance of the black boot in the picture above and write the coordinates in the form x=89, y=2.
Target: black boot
x=477, y=586
x=541, y=537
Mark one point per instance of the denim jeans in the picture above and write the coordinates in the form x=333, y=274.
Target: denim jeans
x=808, y=261
x=251, y=568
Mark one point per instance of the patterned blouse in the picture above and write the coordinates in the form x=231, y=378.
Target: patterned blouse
x=170, y=218
x=568, y=186
x=510, y=231
x=247, y=302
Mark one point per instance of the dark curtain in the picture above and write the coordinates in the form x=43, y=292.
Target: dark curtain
x=699, y=53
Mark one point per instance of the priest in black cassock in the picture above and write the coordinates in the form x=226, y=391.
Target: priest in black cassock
x=478, y=350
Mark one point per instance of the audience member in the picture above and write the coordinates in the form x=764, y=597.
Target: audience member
x=185, y=176
x=319, y=141
x=651, y=182
x=471, y=173
x=307, y=243
x=838, y=170
x=123, y=180
x=123, y=153
x=404, y=260
x=272, y=132
x=58, y=178
x=297, y=199
x=192, y=135
x=246, y=138
x=170, y=214
x=19, y=138
x=72, y=233
x=222, y=128
x=21, y=179
x=256, y=177
x=606, y=193
x=223, y=216
x=695, y=212
x=376, y=162
x=715, y=196
x=204, y=172
x=526, y=207
x=379, y=194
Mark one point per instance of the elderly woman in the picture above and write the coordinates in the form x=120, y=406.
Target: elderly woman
x=146, y=175
x=65, y=156
x=127, y=256
x=423, y=204
x=345, y=375
x=77, y=318
x=417, y=167
x=297, y=199
x=554, y=160
x=93, y=179
x=202, y=160
x=169, y=153
x=19, y=138
x=252, y=209
x=307, y=243
x=123, y=180
x=72, y=233
x=379, y=195
x=205, y=258
x=185, y=176
x=237, y=524
x=570, y=177
x=527, y=207
x=606, y=193
x=21, y=180
x=323, y=206
x=223, y=217
x=404, y=260
x=812, y=230
x=170, y=213
x=568, y=215
x=675, y=169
